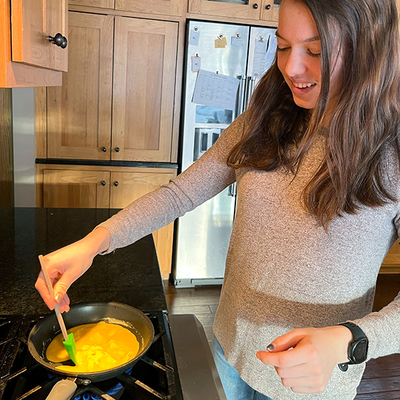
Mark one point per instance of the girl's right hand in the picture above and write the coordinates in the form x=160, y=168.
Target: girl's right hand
x=67, y=264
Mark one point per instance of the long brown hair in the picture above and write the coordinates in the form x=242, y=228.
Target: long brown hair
x=363, y=126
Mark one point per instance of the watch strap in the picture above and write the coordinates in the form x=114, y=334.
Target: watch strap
x=358, y=335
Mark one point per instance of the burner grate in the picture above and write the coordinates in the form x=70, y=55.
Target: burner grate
x=154, y=376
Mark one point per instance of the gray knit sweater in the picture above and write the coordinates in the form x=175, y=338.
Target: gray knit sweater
x=283, y=270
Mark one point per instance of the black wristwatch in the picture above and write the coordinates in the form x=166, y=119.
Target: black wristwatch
x=358, y=347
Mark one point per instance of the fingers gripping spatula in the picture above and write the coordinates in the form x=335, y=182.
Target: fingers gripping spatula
x=69, y=341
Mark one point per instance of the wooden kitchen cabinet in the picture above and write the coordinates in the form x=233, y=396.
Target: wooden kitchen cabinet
x=77, y=186
x=164, y=7
x=92, y=3
x=391, y=263
x=270, y=10
x=143, y=89
x=27, y=57
x=79, y=112
x=74, y=188
x=127, y=78
x=257, y=10
x=246, y=10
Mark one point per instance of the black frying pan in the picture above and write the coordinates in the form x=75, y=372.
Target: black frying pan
x=87, y=313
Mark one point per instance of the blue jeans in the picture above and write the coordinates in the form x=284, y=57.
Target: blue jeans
x=234, y=386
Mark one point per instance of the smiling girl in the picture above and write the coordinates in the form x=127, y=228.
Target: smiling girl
x=316, y=161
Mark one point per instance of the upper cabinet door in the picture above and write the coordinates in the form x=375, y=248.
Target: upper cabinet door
x=248, y=9
x=79, y=112
x=93, y=3
x=33, y=22
x=270, y=10
x=143, y=90
x=165, y=7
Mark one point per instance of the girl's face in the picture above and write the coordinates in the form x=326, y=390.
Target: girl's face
x=299, y=54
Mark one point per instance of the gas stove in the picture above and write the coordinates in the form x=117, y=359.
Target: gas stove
x=154, y=376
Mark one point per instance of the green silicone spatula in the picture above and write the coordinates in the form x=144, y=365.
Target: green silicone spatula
x=69, y=341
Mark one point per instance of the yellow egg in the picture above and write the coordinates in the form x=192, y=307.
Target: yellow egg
x=99, y=347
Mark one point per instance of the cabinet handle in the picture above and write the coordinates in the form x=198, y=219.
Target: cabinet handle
x=117, y=149
x=268, y=7
x=116, y=183
x=255, y=6
x=59, y=40
x=104, y=149
x=103, y=183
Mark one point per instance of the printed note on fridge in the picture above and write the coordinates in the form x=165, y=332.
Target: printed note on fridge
x=215, y=90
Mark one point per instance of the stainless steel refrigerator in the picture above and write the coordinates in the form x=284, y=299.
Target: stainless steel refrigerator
x=224, y=63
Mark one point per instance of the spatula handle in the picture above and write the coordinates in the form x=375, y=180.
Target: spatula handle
x=62, y=390
x=56, y=305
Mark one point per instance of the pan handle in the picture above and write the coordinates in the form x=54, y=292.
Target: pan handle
x=62, y=390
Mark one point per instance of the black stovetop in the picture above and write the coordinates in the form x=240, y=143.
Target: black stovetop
x=154, y=376
x=129, y=275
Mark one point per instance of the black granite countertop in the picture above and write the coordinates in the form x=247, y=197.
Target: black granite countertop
x=129, y=275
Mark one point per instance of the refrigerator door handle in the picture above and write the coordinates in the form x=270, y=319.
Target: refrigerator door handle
x=232, y=190
x=250, y=89
x=242, y=95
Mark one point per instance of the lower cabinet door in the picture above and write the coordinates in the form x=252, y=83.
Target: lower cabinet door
x=76, y=188
x=104, y=187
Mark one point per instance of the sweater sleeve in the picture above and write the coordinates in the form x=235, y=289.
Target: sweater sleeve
x=382, y=328
x=208, y=176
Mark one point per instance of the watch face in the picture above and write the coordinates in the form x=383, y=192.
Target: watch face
x=359, y=351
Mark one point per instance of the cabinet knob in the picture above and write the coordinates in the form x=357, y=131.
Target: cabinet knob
x=103, y=183
x=117, y=149
x=268, y=7
x=59, y=40
x=116, y=183
x=255, y=5
x=104, y=149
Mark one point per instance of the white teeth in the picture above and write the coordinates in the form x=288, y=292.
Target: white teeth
x=303, y=85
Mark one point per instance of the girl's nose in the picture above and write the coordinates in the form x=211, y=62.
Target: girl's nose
x=295, y=64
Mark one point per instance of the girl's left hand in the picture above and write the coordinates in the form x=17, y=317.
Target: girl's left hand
x=305, y=358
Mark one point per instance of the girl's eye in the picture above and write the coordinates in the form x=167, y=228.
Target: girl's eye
x=313, y=54
x=282, y=48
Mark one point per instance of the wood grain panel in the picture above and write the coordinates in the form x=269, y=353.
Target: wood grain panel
x=6, y=167
x=166, y=7
x=33, y=21
x=246, y=11
x=391, y=263
x=76, y=189
x=79, y=113
x=269, y=11
x=92, y=3
x=14, y=74
x=143, y=91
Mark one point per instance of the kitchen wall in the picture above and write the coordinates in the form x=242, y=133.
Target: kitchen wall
x=23, y=123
